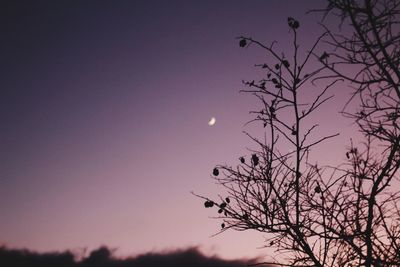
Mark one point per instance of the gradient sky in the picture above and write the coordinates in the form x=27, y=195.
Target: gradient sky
x=104, y=108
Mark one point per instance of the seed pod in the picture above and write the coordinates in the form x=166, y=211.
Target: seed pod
x=317, y=189
x=324, y=56
x=208, y=204
x=294, y=131
x=294, y=24
x=242, y=42
x=285, y=63
x=254, y=159
x=215, y=172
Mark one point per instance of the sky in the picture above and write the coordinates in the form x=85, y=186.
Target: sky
x=104, y=108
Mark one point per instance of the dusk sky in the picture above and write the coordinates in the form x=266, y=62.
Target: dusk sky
x=104, y=108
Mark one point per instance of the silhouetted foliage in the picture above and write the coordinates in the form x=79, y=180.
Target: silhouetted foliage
x=102, y=257
x=242, y=43
x=25, y=258
x=344, y=215
x=294, y=24
x=208, y=204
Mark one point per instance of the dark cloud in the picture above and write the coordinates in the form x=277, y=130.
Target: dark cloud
x=103, y=257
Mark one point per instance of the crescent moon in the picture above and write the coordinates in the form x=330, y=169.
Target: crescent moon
x=212, y=121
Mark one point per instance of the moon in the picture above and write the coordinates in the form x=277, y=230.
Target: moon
x=212, y=121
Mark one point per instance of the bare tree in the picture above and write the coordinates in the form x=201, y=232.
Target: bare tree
x=346, y=215
x=372, y=49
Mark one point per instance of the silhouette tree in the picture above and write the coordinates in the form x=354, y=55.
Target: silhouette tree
x=103, y=257
x=318, y=215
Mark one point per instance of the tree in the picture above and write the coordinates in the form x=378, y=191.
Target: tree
x=344, y=215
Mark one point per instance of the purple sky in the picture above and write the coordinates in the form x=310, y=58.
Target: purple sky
x=104, y=108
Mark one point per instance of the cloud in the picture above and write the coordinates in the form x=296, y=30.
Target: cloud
x=103, y=257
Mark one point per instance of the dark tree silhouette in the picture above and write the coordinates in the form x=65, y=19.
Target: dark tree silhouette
x=318, y=215
x=103, y=257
